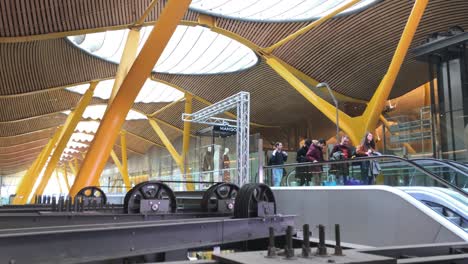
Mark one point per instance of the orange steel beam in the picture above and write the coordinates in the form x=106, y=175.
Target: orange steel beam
x=111, y=124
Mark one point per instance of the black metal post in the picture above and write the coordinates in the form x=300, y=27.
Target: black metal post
x=338, y=249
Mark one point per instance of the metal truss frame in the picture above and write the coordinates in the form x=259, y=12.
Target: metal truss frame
x=207, y=116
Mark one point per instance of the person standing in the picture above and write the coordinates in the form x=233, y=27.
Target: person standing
x=315, y=154
x=303, y=173
x=366, y=149
x=341, y=151
x=278, y=157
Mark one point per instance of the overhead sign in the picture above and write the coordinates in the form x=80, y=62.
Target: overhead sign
x=225, y=129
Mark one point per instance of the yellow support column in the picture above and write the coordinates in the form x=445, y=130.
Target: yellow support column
x=28, y=181
x=372, y=113
x=57, y=177
x=72, y=167
x=123, y=142
x=346, y=122
x=128, y=57
x=112, y=121
x=65, y=177
x=121, y=169
x=69, y=128
x=186, y=141
x=167, y=143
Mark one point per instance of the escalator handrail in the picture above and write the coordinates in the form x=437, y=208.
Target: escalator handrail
x=444, y=163
x=360, y=159
x=458, y=164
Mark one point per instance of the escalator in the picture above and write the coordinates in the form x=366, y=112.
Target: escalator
x=445, y=202
x=452, y=171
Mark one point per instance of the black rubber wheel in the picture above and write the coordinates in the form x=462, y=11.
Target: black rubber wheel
x=219, y=191
x=248, y=198
x=148, y=190
x=92, y=192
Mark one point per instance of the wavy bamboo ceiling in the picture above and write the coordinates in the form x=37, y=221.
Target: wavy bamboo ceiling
x=350, y=52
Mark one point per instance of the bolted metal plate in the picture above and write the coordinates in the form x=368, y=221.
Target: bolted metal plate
x=226, y=206
x=265, y=209
x=154, y=206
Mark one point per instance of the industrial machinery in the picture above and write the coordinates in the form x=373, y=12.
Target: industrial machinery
x=152, y=223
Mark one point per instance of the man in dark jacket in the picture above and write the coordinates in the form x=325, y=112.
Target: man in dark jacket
x=342, y=151
x=303, y=173
x=278, y=157
x=315, y=154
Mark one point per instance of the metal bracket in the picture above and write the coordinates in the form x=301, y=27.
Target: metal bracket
x=154, y=206
x=265, y=209
x=226, y=206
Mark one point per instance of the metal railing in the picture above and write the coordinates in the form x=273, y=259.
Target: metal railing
x=395, y=171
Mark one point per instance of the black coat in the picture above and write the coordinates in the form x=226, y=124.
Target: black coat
x=278, y=159
x=301, y=154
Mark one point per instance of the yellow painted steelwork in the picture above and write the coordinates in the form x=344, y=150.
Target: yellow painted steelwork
x=162, y=109
x=123, y=148
x=123, y=171
x=175, y=155
x=114, y=118
x=312, y=25
x=145, y=139
x=128, y=57
x=186, y=141
x=29, y=179
x=357, y=126
x=148, y=10
x=371, y=115
x=68, y=129
x=326, y=108
x=65, y=176
x=57, y=177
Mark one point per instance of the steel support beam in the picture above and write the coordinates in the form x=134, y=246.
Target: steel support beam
x=164, y=108
x=122, y=170
x=128, y=57
x=373, y=110
x=28, y=181
x=186, y=142
x=65, y=176
x=312, y=25
x=57, y=177
x=325, y=107
x=62, y=244
x=114, y=118
x=167, y=143
x=123, y=148
x=67, y=132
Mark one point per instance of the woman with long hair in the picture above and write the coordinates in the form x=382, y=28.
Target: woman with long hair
x=366, y=149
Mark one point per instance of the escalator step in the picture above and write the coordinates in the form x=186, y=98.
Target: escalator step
x=438, y=209
x=456, y=220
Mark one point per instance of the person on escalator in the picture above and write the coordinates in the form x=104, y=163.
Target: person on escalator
x=315, y=154
x=278, y=157
x=367, y=149
x=303, y=173
x=341, y=151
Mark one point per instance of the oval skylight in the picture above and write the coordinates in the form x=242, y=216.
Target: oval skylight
x=96, y=112
x=151, y=92
x=273, y=10
x=191, y=50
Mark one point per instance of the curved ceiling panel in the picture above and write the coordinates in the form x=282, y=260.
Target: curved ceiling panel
x=151, y=92
x=191, y=50
x=274, y=10
x=96, y=112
